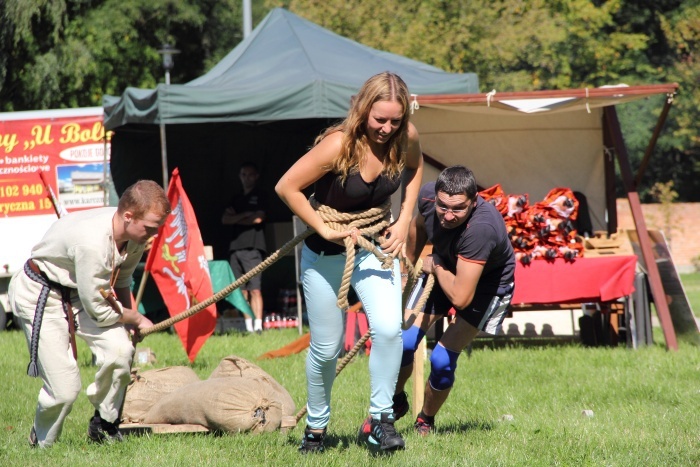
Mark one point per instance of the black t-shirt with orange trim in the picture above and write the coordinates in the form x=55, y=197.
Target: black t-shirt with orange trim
x=482, y=238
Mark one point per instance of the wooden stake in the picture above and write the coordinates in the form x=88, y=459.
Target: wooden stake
x=142, y=287
x=418, y=384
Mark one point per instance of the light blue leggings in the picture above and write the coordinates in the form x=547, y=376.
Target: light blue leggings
x=380, y=292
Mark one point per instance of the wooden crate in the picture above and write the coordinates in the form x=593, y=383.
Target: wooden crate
x=224, y=324
x=618, y=244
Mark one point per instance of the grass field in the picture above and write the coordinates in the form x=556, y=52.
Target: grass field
x=644, y=403
x=691, y=284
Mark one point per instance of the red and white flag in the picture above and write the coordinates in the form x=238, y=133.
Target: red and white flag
x=181, y=271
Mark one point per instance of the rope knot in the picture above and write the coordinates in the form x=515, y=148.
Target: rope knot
x=370, y=223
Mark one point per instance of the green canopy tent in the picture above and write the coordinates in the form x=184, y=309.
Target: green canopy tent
x=265, y=101
x=287, y=69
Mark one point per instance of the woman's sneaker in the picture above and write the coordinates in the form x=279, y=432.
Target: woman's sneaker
x=381, y=432
x=312, y=442
x=400, y=405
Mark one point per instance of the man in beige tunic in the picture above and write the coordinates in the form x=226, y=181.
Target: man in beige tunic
x=77, y=282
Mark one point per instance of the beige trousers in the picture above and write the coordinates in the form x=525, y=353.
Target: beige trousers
x=58, y=369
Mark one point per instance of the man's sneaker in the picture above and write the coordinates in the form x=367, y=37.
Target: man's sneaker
x=422, y=427
x=312, y=442
x=365, y=430
x=381, y=432
x=33, y=441
x=101, y=431
x=400, y=406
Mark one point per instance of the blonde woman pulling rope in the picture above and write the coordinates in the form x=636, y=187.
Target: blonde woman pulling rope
x=355, y=166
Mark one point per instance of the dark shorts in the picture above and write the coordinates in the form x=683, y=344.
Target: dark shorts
x=243, y=261
x=485, y=312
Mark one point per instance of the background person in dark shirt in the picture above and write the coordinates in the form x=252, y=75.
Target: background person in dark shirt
x=474, y=267
x=246, y=213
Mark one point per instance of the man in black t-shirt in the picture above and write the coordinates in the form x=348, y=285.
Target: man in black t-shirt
x=474, y=266
x=246, y=213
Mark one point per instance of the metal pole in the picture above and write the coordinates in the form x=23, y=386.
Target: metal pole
x=105, y=161
x=247, y=19
x=163, y=144
x=164, y=156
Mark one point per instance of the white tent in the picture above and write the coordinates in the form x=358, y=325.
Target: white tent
x=531, y=142
x=528, y=142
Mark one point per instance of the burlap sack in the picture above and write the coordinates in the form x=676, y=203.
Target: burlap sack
x=147, y=388
x=229, y=404
x=233, y=366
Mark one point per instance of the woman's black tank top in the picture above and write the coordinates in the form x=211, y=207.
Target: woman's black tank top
x=355, y=195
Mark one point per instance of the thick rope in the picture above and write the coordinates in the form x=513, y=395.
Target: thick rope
x=220, y=295
x=368, y=222
x=413, y=274
x=411, y=277
x=430, y=281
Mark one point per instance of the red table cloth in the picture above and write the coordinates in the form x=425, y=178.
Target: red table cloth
x=597, y=279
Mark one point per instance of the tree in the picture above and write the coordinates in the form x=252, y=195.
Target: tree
x=69, y=53
x=672, y=52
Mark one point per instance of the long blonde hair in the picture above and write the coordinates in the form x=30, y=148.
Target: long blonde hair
x=384, y=86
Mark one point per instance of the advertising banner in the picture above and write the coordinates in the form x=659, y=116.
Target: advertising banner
x=69, y=151
x=51, y=162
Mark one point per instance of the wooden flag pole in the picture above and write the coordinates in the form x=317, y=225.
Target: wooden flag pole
x=142, y=287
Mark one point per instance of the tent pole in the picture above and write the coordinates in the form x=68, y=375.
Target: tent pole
x=613, y=135
x=610, y=202
x=105, y=162
x=247, y=19
x=164, y=156
x=654, y=138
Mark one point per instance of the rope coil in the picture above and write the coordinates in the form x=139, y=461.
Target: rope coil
x=369, y=223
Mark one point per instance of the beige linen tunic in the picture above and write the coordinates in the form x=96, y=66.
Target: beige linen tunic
x=78, y=251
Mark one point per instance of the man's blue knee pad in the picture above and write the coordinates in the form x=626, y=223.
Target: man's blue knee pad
x=443, y=363
x=411, y=338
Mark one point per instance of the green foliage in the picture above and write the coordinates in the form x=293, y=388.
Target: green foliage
x=666, y=195
x=674, y=29
x=70, y=53
x=691, y=284
x=511, y=45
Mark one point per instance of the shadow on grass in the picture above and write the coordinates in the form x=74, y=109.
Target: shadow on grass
x=463, y=427
x=341, y=443
x=525, y=342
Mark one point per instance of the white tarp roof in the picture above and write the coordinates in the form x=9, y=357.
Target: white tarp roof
x=529, y=142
